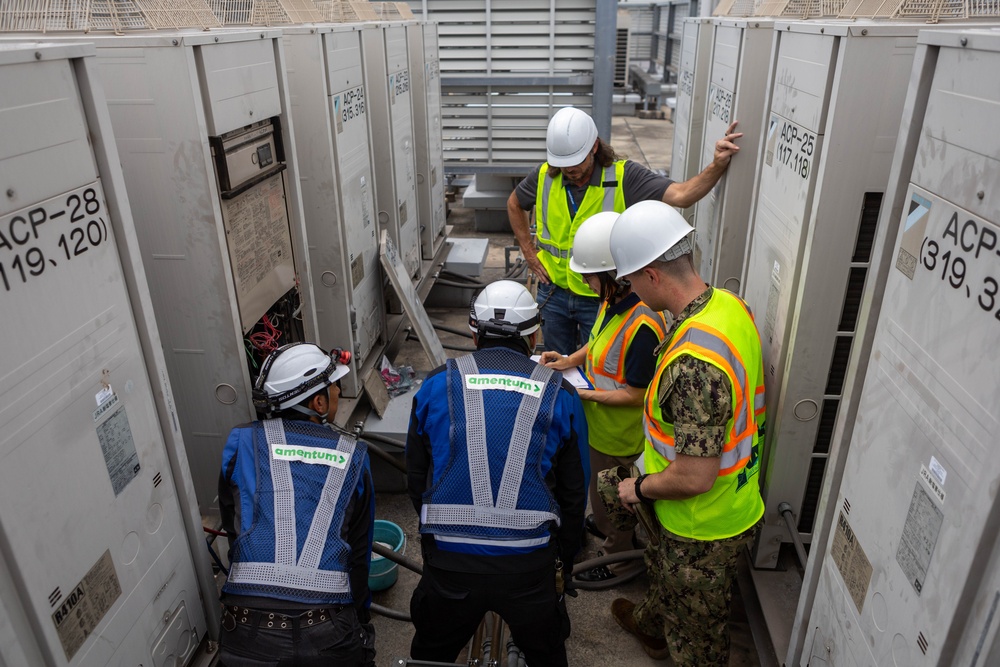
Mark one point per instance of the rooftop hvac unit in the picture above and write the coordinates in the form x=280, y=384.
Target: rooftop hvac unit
x=909, y=574
x=425, y=67
x=202, y=127
x=388, y=87
x=692, y=89
x=737, y=89
x=837, y=93
x=331, y=112
x=103, y=556
x=117, y=16
x=265, y=12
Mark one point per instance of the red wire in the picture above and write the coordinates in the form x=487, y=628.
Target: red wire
x=266, y=341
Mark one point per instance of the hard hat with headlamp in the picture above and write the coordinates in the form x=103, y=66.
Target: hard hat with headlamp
x=570, y=137
x=504, y=309
x=296, y=371
x=646, y=232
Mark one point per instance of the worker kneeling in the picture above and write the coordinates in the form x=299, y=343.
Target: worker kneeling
x=297, y=502
x=496, y=454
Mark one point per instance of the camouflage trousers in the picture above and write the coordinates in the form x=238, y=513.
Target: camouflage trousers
x=690, y=595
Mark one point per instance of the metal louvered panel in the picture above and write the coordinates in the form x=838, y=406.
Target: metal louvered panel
x=116, y=16
x=265, y=12
x=506, y=67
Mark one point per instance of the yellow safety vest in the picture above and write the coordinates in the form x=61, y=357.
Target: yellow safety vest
x=722, y=334
x=616, y=430
x=557, y=227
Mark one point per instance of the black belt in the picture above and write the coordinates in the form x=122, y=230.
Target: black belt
x=231, y=615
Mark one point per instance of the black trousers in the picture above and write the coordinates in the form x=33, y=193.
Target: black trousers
x=341, y=640
x=446, y=608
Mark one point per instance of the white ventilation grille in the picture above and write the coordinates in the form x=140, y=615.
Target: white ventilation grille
x=265, y=12
x=930, y=10
x=117, y=16
x=391, y=11
x=506, y=67
x=345, y=11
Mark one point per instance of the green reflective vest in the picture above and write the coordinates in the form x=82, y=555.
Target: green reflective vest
x=556, y=227
x=616, y=430
x=722, y=334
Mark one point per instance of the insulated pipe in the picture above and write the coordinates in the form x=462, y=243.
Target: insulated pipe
x=466, y=333
x=785, y=510
x=385, y=456
x=387, y=552
x=384, y=439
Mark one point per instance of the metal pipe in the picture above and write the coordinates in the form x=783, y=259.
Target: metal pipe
x=785, y=510
x=496, y=650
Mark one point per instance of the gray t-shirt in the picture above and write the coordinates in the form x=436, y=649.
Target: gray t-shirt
x=639, y=184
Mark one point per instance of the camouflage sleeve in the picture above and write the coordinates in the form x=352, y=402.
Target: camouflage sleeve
x=697, y=398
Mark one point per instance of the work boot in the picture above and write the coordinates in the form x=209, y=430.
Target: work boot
x=623, y=612
x=591, y=525
x=599, y=573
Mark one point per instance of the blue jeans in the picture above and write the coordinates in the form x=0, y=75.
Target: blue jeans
x=567, y=318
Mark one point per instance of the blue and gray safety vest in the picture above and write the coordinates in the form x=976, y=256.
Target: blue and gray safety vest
x=492, y=491
x=293, y=550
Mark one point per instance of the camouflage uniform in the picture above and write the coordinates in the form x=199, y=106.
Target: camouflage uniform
x=691, y=581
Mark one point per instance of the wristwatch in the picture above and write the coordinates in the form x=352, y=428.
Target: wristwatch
x=638, y=489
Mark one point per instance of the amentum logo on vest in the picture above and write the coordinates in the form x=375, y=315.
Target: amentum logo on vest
x=326, y=457
x=507, y=382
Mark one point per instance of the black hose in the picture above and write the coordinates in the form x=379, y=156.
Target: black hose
x=384, y=439
x=465, y=333
x=617, y=580
x=455, y=283
x=385, y=456
x=389, y=612
x=469, y=279
x=387, y=552
x=460, y=348
x=622, y=557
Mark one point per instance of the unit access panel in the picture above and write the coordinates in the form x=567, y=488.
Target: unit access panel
x=91, y=522
x=692, y=87
x=737, y=91
x=387, y=82
x=909, y=576
x=837, y=92
x=331, y=111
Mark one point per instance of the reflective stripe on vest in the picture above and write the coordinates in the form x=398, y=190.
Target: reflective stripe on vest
x=285, y=570
x=557, y=225
x=607, y=204
x=736, y=451
x=605, y=365
x=484, y=513
x=733, y=503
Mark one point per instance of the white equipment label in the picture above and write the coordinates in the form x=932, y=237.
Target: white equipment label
x=36, y=242
x=920, y=534
x=955, y=247
x=118, y=448
x=86, y=605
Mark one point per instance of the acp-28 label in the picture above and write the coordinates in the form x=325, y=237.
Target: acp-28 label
x=37, y=240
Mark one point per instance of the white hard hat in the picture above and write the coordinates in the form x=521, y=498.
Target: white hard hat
x=295, y=372
x=592, y=244
x=504, y=309
x=647, y=231
x=570, y=137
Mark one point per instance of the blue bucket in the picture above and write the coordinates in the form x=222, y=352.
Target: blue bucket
x=383, y=572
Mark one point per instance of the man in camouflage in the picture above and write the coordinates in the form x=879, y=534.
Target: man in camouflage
x=704, y=413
